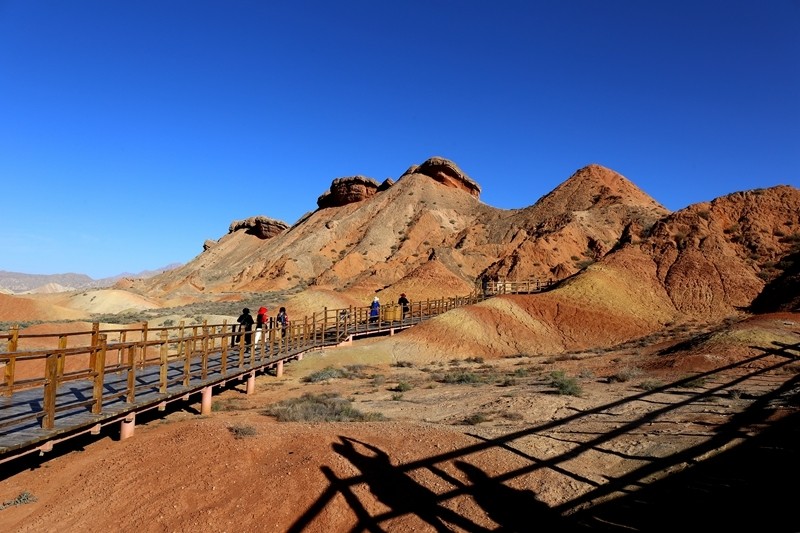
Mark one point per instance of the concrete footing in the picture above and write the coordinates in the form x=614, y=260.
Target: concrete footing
x=251, y=382
x=126, y=426
x=205, y=402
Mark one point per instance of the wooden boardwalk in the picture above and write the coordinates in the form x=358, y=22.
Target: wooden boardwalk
x=81, y=389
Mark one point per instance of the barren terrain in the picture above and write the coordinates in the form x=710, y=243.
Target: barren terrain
x=639, y=394
x=654, y=437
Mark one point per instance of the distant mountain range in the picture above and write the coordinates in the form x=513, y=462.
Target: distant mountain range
x=20, y=283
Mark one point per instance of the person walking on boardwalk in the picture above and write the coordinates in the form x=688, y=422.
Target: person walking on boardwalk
x=262, y=321
x=374, y=310
x=404, y=304
x=246, y=322
x=282, y=321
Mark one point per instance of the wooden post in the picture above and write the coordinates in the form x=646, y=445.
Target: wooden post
x=224, y=358
x=8, y=375
x=181, y=346
x=131, y=396
x=62, y=345
x=163, y=355
x=99, y=375
x=50, y=389
x=144, y=343
x=204, y=342
x=279, y=369
x=14, y=340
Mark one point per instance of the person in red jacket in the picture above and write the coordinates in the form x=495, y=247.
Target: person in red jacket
x=262, y=323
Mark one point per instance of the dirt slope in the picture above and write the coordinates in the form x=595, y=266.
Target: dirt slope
x=647, y=438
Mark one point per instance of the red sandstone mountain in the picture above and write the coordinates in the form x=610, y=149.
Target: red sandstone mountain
x=422, y=233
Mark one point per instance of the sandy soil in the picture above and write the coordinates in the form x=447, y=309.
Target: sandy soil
x=703, y=435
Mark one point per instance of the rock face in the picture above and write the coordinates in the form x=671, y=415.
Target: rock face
x=614, y=248
x=783, y=292
x=345, y=191
x=372, y=237
x=447, y=173
x=260, y=226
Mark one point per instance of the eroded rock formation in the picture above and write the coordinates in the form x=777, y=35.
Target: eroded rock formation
x=447, y=173
x=260, y=226
x=345, y=191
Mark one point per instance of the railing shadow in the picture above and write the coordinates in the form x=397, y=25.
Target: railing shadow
x=753, y=458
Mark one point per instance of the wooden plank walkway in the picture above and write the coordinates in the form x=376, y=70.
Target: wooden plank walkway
x=150, y=372
x=21, y=413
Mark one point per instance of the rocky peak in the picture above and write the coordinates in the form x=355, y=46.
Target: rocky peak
x=447, y=173
x=348, y=190
x=260, y=226
x=595, y=186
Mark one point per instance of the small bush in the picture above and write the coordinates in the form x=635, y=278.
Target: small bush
x=397, y=396
x=460, y=377
x=626, y=374
x=23, y=498
x=240, y=431
x=565, y=385
x=319, y=408
x=476, y=419
x=473, y=360
x=735, y=394
x=651, y=384
x=325, y=374
x=403, y=364
x=403, y=386
x=226, y=405
x=695, y=383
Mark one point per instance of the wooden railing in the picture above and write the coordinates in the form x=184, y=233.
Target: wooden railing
x=93, y=354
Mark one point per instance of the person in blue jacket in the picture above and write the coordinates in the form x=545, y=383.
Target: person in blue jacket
x=374, y=310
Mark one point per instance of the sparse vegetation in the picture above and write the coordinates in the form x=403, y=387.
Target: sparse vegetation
x=564, y=384
x=460, y=377
x=624, y=375
x=229, y=404
x=403, y=386
x=693, y=383
x=651, y=384
x=23, y=498
x=329, y=373
x=319, y=408
x=476, y=418
x=325, y=374
x=241, y=431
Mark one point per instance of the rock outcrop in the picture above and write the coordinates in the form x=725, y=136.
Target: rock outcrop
x=447, y=173
x=345, y=191
x=260, y=226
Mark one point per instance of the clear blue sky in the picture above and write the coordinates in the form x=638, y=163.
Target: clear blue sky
x=132, y=131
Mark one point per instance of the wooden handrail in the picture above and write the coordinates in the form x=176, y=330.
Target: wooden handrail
x=164, y=345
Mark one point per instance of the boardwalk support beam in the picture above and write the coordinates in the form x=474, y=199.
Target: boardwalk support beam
x=251, y=382
x=126, y=426
x=205, y=404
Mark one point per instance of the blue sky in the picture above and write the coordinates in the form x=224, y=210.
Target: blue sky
x=132, y=131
